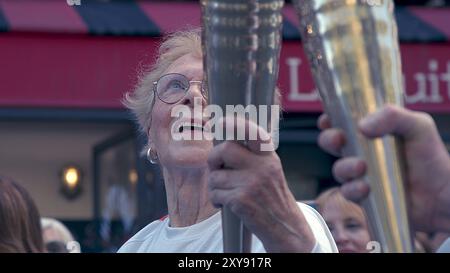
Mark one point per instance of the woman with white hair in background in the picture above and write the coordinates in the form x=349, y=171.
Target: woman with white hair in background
x=57, y=237
x=200, y=178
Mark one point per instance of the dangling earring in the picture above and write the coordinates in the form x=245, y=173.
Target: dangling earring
x=151, y=156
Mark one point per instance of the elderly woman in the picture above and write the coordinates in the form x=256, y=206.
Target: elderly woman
x=200, y=178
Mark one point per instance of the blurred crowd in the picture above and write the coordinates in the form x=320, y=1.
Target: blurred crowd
x=22, y=230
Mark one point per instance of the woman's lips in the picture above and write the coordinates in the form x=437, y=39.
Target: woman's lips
x=190, y=129
x=192, y=124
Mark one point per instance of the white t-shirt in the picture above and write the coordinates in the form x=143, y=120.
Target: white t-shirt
x=206, y=236
x=445, y=247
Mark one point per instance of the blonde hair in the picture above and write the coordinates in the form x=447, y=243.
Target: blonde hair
x=335, y=196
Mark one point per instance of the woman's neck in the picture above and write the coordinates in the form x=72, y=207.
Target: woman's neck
x=187, y=196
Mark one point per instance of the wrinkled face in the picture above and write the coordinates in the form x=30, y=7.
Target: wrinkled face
x=348, y=228
x=174, y=152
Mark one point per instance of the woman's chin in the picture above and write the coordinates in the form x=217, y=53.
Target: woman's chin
x=349, y=250
x=191, y=155
x=190, y=163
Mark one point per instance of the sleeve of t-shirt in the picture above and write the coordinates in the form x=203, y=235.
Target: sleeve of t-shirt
x=134, y=244
x=445, y=247
x=324, y=240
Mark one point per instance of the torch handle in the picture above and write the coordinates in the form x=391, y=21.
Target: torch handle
x=236, y=237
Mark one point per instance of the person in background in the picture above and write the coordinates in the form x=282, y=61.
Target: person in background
x=56, y=247
x=20, y=229
x=55, y=235
x=427, y=164
x=346, y=221
x=349, y=226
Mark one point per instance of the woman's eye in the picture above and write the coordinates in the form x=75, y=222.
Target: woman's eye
x=353, y=226
x=176, y=85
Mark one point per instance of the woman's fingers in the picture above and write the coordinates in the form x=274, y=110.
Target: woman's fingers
x=224, y=179
x=257, y=139
x=232, y=153
x=219, y=197
x=228, y=154
x=227, y=188
x=332, y=141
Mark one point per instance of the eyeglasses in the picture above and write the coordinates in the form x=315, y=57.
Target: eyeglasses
x=171, y=88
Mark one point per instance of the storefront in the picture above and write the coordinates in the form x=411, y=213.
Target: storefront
x=64, y=70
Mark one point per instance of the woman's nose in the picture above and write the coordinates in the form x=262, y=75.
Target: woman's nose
x=194, y=92
x=340, y=236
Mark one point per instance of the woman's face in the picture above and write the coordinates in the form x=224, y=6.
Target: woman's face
x=349, y=229
x=180, y=153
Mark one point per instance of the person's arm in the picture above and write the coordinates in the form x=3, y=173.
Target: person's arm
x=427, y=163
x=252, y=184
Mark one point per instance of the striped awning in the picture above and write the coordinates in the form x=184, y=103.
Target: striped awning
x=150, y=18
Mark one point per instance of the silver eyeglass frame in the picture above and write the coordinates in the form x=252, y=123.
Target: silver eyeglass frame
x=201, y=83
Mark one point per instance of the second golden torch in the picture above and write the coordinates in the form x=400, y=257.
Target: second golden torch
x=352, y=47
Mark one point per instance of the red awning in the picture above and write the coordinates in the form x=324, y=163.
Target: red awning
x=152, y=18
x=40, y=67
x=41, y=16
x=69, y=70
